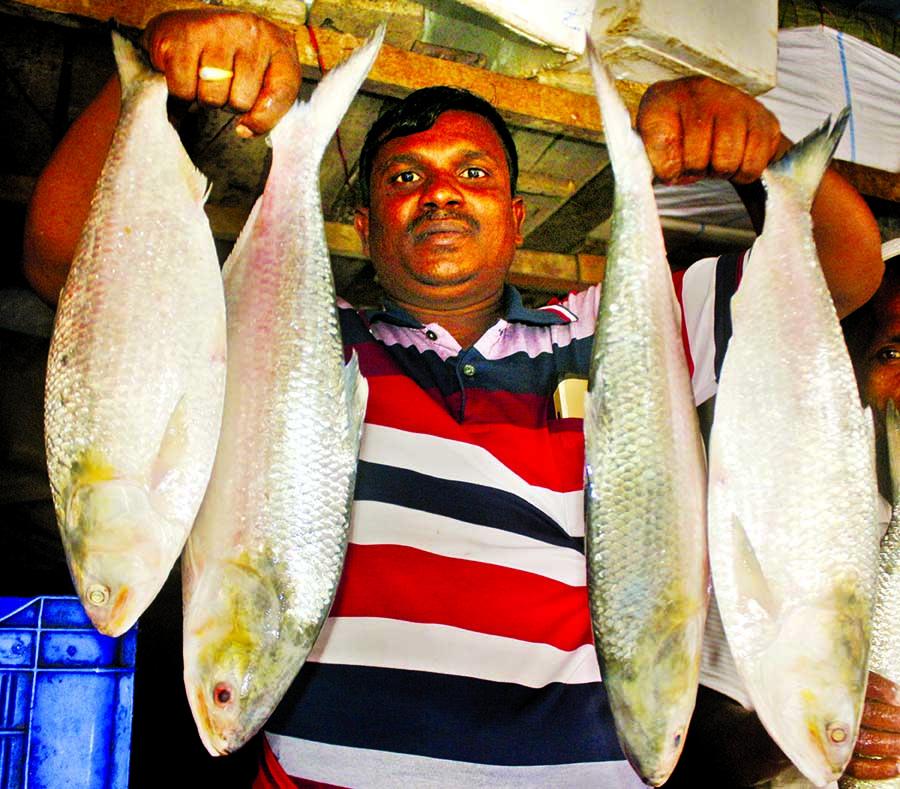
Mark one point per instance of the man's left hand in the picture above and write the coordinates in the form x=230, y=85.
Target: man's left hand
x=698, y=127
x=877, y=753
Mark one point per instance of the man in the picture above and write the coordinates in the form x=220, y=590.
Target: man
x=458, y=651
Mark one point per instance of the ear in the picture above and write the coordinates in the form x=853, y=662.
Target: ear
x=361, y=223
x=518, y=213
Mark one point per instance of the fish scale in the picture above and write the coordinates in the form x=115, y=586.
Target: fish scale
x=646, y=475
x=136, y=368
x=262, y=564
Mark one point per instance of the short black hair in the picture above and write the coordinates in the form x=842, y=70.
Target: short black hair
x=418, y=112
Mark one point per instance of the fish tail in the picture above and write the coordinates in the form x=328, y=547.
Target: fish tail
x=805, y=161
x=132, y=65
x=623, y=142
x=331, y=98
x=136, y=74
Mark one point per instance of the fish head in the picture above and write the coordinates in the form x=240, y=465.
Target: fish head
x=119, y=549
x=813, y=680
x=653, y=691
x=233, y=649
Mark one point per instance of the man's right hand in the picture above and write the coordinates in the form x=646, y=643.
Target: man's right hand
x=262, y=56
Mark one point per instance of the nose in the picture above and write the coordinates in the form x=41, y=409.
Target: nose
x=441, y=190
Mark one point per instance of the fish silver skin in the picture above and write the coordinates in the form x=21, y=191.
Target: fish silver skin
x=136, y=369
x=261, y=567
x=884, y=648
x=793, y=506
x=648, y=578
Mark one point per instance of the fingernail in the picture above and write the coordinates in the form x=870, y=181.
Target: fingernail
x=244, y=131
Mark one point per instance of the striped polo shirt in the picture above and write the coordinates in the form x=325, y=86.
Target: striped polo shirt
x=458, y=651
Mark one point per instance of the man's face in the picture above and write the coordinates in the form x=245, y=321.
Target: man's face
x=878, y=364
x=442, y=228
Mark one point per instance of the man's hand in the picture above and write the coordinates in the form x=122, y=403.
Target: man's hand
x=877, y=752
x=697, y=127
x=261, y=56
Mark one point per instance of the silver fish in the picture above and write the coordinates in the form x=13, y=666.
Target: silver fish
x=265, y=555
x=136, y=371
x=793, y=533
x=648, y=579
x=884, y=649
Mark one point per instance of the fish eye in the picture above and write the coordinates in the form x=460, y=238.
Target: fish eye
x=98, y=594
x=222, y=695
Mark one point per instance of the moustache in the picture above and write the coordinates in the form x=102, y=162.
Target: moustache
x=442, y=214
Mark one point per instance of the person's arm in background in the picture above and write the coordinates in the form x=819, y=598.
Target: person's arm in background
x=697, y=128
x=266, y=81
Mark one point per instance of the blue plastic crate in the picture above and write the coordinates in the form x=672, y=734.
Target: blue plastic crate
x=66, y=694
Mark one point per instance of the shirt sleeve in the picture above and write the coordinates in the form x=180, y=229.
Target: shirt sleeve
x=704, y=291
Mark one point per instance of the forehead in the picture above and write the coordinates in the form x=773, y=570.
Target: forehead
x=884, y=315
x=887, y=300
x=454, y=131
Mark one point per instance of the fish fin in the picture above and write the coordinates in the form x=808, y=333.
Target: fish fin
x=804, y=163
x=357, y=388
x=748, y=573
x=620, y=137
x=331, y=98
x=237, y=251
x=174, y=445
x=892, y=430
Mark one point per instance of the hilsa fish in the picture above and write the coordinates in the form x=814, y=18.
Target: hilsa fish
x=793, y=507
x=884, y=648
x=261, y=567
x=648, y=578
x=136, y=368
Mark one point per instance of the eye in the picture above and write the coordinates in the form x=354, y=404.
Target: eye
x=890, y=353
x=474, y=172
x=406, y=177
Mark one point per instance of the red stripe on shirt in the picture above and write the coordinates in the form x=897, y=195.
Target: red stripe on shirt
x=678, y=283
x=407, y=584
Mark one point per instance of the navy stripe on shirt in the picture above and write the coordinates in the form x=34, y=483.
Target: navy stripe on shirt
x=446, y=717
x=464, y=501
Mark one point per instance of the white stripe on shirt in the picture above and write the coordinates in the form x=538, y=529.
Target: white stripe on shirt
x=368, y=769
x=389, y=643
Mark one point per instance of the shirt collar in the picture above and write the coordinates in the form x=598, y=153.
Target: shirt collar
x=554, y=314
